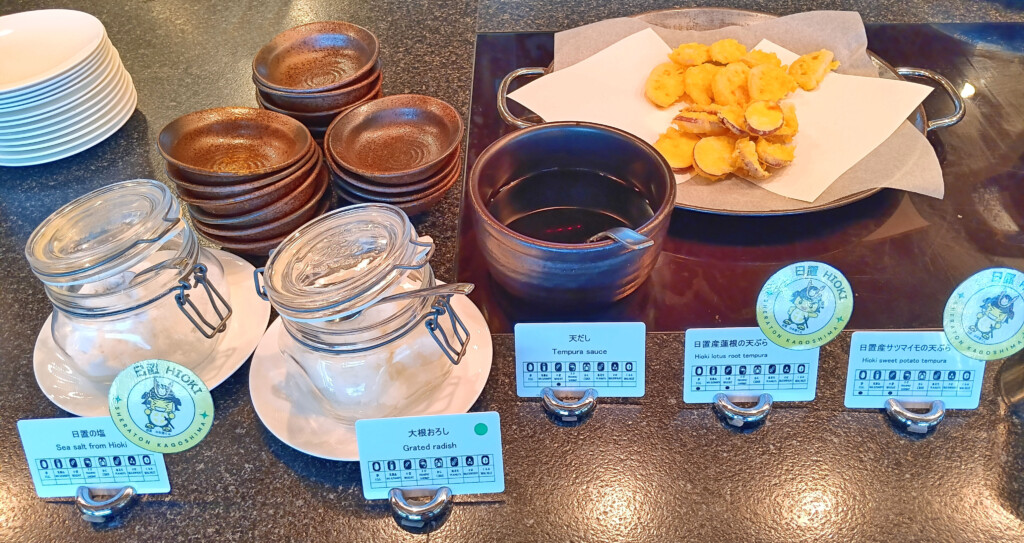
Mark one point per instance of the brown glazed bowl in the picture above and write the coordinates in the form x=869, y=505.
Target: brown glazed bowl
x=316, y=57
x=320, y=119
x=233, y=144
x=299, y=186
x=274, y=212
x=320, y=102
x=558, y=273
x=451, y=164
x=410, y=207
x=245, y=247
x=313, y=208
x=213, y=192
x=396, y=139
x=439, y=184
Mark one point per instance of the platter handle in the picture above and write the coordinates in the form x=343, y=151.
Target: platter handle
x=959, y=108
x=503, y=110
x=915, y=422
x=743, y=416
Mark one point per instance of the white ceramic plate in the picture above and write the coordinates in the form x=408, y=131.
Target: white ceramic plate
x=60, y=104
x=59, y=117
x=284, y=398
x=36, y=46
x=248, y=321
x=26, y=133
x=62, y=83
x=68, y=149
x=83, y=129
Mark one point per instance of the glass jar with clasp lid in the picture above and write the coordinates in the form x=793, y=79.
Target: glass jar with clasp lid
x=128, y=282
x=363, y=317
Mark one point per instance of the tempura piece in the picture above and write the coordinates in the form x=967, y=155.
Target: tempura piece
x=712, y=157
x=690, y=54
x=677, y=148
x=730, y=85
x=698, y=83
x=768, y=82
x=776, y=155
x=763, y=118
x=727, y=51
x=748, y=166
x=665, y=85
x=756, y=57
x=810, y=70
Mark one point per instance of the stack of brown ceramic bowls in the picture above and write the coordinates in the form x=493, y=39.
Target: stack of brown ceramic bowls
x=315, y=72
x=401, y=150
x=249, y=176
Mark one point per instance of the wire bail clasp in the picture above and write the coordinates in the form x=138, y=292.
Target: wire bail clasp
x=185, y=303
x=441, y=307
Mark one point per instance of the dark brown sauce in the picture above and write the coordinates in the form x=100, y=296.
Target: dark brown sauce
x=568, y=206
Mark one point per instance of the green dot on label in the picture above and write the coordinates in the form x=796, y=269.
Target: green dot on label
x=480, y=429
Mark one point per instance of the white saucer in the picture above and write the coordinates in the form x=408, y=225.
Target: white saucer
x=250, y=314
x=284, y=398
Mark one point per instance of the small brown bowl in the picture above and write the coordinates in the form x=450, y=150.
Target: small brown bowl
x=438, y=178
x=320, y=102
x=321, y=119
x=214, y=192
x=233, y=144
x=275, y=211
x=396, y=139
x=315, y=207
x=316, y=57
x=411, y=208
x=392, y=198
x=255, y=248
x=303, y=182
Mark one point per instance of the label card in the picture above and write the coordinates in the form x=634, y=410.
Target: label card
x=742, y=364
x=462, y=452
x=64, y=454
x=606, y=356
x=915, y=367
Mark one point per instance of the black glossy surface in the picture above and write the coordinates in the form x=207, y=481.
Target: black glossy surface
x=649, y=470
x=892, y=245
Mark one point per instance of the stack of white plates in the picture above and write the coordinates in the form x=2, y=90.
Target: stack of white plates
x=63, y=88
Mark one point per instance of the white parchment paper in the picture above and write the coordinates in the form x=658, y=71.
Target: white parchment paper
x=853, y=134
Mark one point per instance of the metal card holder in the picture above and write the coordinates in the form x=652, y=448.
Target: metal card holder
x=425, y=516
x=743, y=417
x=98, y=511
x=916, y=423
x=568, y=411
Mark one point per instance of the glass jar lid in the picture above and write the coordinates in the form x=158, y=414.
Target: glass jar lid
x=104, y=232
x=342, y=262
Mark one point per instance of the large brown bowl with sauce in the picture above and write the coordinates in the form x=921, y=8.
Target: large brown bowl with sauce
x=538, y=195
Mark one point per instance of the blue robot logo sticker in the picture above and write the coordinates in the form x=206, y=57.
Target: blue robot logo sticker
x=804, y=305
x=161, y=406
x=984, y=318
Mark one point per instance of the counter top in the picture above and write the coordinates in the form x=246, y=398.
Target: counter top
x=651, y=470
